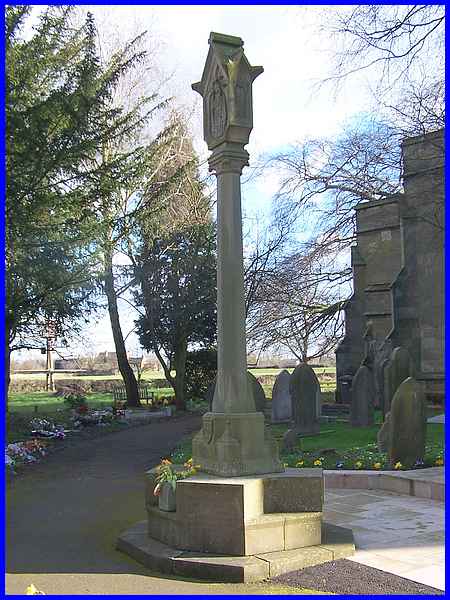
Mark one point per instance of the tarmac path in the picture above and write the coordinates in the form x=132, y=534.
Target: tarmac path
x=65, y=513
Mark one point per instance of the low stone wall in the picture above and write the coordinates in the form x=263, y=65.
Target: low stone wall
x=422, y=483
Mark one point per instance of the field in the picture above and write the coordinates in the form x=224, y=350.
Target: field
x=24, y=399
x=151, y=375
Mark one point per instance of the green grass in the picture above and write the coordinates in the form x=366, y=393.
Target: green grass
x=22, y=407
x=337, y=442
x=49, y=403
x=151, y=375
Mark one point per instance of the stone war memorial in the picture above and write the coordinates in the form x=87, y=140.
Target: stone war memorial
x=243, y=517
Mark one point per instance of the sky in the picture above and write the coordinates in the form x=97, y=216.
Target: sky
x=288, y=104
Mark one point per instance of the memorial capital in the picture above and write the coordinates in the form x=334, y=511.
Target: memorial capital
x=226, y=89
x=228, y=158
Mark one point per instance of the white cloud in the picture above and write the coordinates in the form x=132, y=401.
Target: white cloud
x=287, y=107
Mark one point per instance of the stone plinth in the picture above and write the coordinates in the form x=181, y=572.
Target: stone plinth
x=235, y=444
x=238, y=529
x=242, y=516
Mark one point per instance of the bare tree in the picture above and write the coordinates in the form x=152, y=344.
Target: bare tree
x=298, y=307
x=322, y=180
x=398, y=39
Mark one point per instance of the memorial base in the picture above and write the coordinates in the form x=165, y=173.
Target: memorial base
x=235, y=445
x=238, y=529
x=337, y=542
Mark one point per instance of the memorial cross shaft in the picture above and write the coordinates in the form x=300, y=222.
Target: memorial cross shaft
x=233, y=440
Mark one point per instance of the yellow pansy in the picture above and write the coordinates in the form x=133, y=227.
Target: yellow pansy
x=377, y=465
x=358, y=464
x=439, y=462
x=318, y=462
x=398, y=465
x=300, y=463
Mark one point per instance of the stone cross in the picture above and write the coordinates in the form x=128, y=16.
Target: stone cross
x=232, y=441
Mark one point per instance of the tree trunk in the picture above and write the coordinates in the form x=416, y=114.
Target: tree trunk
x=176, y=382
x=7, y=367
x=180, y=371
x=126, y=371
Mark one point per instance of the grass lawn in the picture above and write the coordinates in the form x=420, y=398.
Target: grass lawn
x=24, y=406
x=337, y=443
x=49, y=403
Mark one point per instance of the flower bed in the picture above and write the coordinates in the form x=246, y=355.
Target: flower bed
x=365, y=457
x=361, y=458
x=21, y=453
x=45, y=433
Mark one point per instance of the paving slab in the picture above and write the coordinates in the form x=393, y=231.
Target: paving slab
x=401, y=535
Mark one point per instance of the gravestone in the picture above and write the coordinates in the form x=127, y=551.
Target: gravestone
x=380, y=377
x=407, y=431
x=258, y=393
x=281, y=398
x=304, y=387
x=383, y=434
x=397, y=369
x=363, y=394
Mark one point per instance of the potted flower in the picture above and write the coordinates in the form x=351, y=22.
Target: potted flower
x=166, y=478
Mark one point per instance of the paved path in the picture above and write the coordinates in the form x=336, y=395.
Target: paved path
x=402, y=535
x=65, y=513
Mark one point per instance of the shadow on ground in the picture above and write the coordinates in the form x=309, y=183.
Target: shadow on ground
x=65, y=514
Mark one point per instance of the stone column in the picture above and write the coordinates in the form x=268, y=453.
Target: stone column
x=233, y=440
x=232, y=394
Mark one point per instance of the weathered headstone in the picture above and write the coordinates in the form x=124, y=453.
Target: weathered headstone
x=398, y=368
x=408, y=424
x=383, y=434
x=258, y=393
x=362, y=413
x=318, y=401
x=304, y=387
x=380, y=375
x=281, y=398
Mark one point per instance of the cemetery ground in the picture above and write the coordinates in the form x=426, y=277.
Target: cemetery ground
x=66, y=511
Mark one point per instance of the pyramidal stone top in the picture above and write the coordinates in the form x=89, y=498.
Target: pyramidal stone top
x=226, y=89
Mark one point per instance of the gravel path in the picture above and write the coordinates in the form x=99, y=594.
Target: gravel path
x=347, y=577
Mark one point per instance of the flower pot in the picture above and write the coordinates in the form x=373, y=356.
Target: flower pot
x=167, y=497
